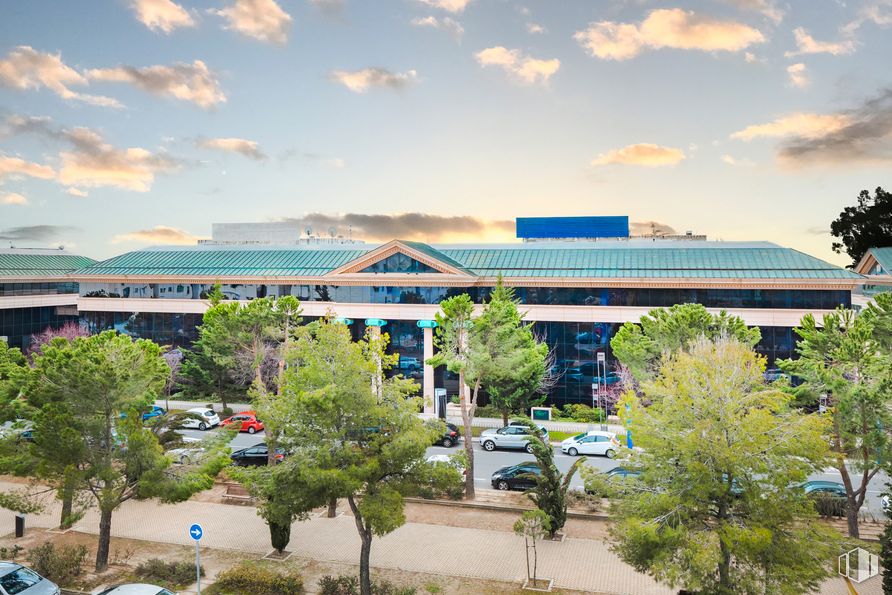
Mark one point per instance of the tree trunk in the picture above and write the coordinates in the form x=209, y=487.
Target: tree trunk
x=272, y=439
x=504, y=418
x=365, y=553
x=852, y=517
x=105, y=517
x=65, y=521
x=725, y=559
x=332, y=508
x=469, y=443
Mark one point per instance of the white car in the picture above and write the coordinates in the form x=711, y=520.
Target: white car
x=591, y=443
x=202, y=418
x=17, y=579
x=511, y=436
x=137, y=589
x=447, y=460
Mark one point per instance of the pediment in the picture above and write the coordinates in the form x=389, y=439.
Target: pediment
x=401, y=258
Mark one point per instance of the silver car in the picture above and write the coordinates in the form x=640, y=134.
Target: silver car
x=15, y=579
x=137, y=589
x=512, y=436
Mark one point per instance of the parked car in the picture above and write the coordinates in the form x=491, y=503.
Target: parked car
x=137, y=589
x=591, y=443
x=515, y=477
x=409, y=363
x=523, y=424
x=450, y=437
x=619, y=475
x=819, y=487
x=201, y=418
x=508, y=437
x=256, y=455
x=186, y=455
x=246, y=422
x=16, y=579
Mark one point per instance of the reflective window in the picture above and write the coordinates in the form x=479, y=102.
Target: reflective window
x=399, y=263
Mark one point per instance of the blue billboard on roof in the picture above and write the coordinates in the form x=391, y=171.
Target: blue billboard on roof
x=572, y=227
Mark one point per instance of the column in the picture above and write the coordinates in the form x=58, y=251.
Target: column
x=428, y=384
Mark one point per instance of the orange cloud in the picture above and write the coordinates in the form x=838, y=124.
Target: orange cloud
x=162, y=15
x=261, y=19
x=160, y=234
x=525, y=68
x=666, y=28
x=644, y=154
x=188, y=82
x=803, y=125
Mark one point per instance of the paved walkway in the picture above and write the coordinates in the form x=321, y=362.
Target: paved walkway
x=579, y=564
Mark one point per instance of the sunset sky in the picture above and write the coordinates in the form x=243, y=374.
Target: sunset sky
x=127, y=123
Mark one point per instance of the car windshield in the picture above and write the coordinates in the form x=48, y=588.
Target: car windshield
x=19, y=580
x=579, y=436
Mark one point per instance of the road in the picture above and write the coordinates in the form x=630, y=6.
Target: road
x=486, y=464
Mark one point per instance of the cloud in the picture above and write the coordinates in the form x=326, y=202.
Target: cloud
x=878, y=12
x=25, y=68
x=666, y=28
x=408, y=226
x=803, y=125
x=750, y=57
x=798, y=75
x=261, y=19
x=15, y=167
x=187, y=82
x=864, y=138
x=360, y=81
x=162, y=15
x=77, y=192
x=535, y=28
x=818, y=231
x=13, y=198
x=451, y=26
x=248, y=148
x=35, y=232
x=453, y=6
x=645, y=154
x=806, y=44
x=333, y=162
x=331, y=8
x=650, y=228
x=160, y=234
x=736, y=162
x=525, y=68
x=767, y=8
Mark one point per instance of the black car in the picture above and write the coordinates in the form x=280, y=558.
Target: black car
x=256, y=455
x=450, y=437
x=516, y=477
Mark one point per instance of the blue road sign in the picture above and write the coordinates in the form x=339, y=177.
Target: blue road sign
x=195, y=532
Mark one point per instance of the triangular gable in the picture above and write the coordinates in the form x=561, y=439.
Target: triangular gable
x=433, y=262
x=873, y=257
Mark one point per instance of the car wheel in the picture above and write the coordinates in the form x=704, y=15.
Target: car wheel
x=503, y=485
x=529, y=447
x=572, y=452
x=447, y=442
x=489, y=446
x=610, y=453
x=202, y=426
x=251, y=430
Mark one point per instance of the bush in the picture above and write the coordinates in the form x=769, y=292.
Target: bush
x=61, y=565
x=582, y=413
x=172, y=573
x=227, y=412
x=828, y=505
x=251, y=579
x=454, y=399
x=349, y=585
x=487, y=411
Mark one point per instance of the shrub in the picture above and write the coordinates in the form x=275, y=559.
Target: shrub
x=61, y=565
x=828, y=505
x=582, y=413
x=487, y=411
x=227, y=412
x=454, y=399
x=251, y=579
x=172, y=573
x=349, y=585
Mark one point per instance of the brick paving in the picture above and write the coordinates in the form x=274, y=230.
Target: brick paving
x=579, y=564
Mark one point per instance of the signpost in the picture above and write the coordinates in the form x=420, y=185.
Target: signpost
x=195, y=532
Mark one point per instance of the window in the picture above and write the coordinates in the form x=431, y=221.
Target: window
x=399, y=263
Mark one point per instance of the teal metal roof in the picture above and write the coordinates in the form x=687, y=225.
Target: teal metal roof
x=681, y=260
x=40, y=265
x=884, y=257
x=224, y=263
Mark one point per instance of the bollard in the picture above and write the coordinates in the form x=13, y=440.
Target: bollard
x=19, y=525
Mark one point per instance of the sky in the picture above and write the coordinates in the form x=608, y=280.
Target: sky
x=128, y=123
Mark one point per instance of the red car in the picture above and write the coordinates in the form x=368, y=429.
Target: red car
x=247, y=419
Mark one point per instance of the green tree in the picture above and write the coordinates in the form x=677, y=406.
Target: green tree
x=533, y=526
x=866, y=225
x=13, y=372
x=93, y=381
x=550, y=492
x=713, y=509
x=510, y=362
x=451, y=339
x=886, y=557
x=365, y=446
x=663, y=331
x=845, y=359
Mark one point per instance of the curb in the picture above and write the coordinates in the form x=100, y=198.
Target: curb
x=589, y=516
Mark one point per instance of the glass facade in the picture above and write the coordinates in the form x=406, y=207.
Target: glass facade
x=557, y=296
x=18, y=324
x=179, y=330
x=399, y=263
x=9, y=289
